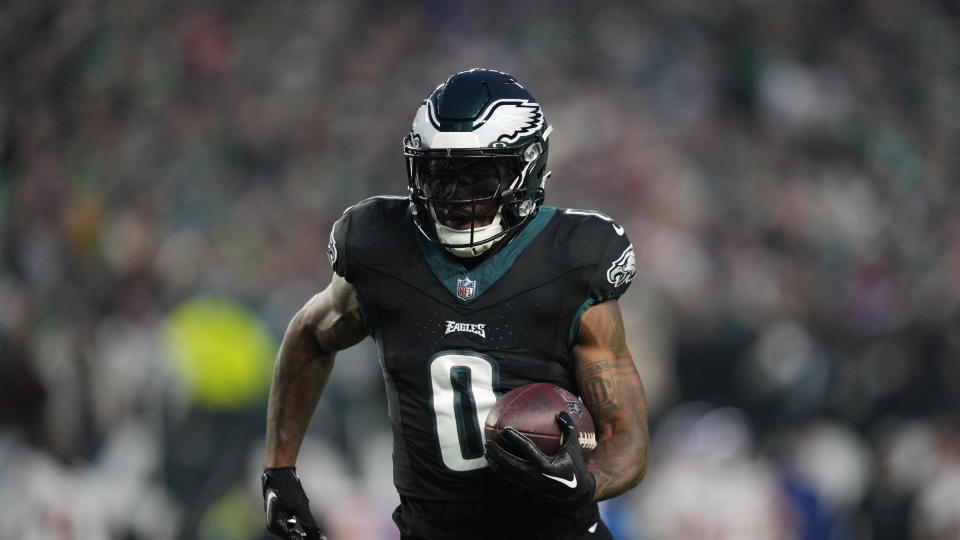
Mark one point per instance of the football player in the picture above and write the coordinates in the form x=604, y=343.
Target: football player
x=471, y=287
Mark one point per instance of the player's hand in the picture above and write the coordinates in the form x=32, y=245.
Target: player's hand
x=561, y=478
x=287, y=506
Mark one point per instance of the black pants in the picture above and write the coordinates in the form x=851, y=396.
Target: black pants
x=601, y=532
x=421, y=520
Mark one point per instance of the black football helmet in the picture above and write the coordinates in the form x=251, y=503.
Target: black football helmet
x=476, y=161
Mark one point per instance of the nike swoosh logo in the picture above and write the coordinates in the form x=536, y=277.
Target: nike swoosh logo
x=295, y=528
x=593, y=528
x=617, y=229
x=271, y=498
x=571, y=483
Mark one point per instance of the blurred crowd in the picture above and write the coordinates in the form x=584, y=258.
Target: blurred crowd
x=787, y=172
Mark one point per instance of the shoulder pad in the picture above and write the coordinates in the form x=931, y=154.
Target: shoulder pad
x=356, y=229
x=604, y=246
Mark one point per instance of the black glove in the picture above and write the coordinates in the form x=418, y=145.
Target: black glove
x=562, y=478
x=287, y=506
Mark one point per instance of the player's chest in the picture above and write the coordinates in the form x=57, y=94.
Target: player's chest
x=501, y=318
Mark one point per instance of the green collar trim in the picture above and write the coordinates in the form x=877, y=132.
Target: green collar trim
x=467, y=285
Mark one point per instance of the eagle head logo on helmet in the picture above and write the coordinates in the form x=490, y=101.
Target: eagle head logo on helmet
x=476, y=161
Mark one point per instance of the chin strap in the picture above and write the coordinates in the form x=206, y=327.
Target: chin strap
x=481, y=238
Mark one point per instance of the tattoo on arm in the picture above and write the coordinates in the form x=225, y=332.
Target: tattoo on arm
x=598, y=387
x=613, y=391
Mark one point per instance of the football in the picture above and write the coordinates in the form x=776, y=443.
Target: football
x=532, y=410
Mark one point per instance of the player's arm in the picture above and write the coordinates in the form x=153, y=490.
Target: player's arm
x=329, y=322
x=611, y=388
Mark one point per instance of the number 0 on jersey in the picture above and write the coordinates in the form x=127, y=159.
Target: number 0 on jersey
x=463, y=393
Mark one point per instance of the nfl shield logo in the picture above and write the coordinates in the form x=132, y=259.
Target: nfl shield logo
x=465, y=288
x=572, y=402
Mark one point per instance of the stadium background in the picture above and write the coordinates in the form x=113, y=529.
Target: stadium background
x=787, y=171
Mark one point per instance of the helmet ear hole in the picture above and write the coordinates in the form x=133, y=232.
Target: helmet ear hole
x=532, y=152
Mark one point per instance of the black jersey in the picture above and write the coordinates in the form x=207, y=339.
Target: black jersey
x=451, y=340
